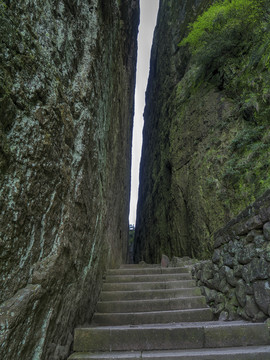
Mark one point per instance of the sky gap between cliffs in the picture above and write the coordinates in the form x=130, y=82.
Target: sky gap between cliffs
x=148, y=16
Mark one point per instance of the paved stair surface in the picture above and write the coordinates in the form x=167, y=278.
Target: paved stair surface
x=159, y=313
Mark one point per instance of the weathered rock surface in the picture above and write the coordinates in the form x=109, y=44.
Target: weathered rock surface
x=204, y=159
x=67, y=75
x=243, y=289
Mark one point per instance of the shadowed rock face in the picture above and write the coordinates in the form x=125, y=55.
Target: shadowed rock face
x=203, y=160
x=159, y=204
x=67, y=74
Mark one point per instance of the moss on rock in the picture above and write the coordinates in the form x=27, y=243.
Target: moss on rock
x=67, y=78
x=206, y=134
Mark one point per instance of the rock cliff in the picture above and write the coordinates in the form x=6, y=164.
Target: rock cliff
x=206, y=135
x=67, y=74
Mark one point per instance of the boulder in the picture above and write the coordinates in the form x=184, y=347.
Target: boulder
x=262, y=295
x=266, y=231
x=240, y=292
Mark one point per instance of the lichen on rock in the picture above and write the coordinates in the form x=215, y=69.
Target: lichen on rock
x=67, y=71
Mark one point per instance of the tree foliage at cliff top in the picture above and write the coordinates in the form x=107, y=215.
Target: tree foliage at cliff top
x=223, y=16
x=230, y=43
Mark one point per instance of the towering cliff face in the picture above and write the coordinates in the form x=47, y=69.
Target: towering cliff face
x=206, y=133
x=67, y=74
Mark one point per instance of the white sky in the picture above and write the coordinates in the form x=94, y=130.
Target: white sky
x=148, y=16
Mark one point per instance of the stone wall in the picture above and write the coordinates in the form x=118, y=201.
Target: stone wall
x=67, y=77
x=236, y=282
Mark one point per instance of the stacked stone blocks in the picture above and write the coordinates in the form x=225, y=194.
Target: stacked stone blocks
x=236, y=282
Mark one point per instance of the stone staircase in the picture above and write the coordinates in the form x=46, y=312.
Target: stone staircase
x=159, y=313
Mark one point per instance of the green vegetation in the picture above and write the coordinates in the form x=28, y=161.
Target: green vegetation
x=230, y=43
x=230, y=46
x=2, y=7
x=223, y=111
x=224, y=17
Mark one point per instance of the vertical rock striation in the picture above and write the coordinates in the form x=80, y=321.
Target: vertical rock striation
x=206, y=135
x=158, y=206
x=67, y=74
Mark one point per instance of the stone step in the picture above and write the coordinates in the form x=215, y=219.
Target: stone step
x=248, y=353
x=178, y=336
x=147, y=271
x=139, y=266
x=147, y=278
x=154, y=317
x=148, y=294
x=194, y=302
x=133, y=286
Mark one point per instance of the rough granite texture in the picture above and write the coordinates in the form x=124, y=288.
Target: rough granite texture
x=67, y=76
x=196, y=171
x=236, y=282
